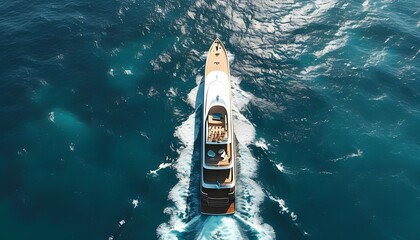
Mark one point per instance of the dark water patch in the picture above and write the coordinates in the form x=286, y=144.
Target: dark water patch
x=389, y=207
x=11, y=176
x=410, y=129
x=328, y=201
x=50, y=195
x=304, y=111
x=47, y=175
x=272, y=180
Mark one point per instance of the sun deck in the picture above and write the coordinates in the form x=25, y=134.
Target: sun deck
x=217, y=59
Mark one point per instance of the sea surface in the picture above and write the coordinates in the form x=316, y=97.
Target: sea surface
x=100, y=108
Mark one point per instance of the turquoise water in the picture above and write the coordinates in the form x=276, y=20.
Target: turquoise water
x=100, y=105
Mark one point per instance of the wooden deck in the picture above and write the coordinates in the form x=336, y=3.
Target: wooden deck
x=217, y=59
x=217, y=133
x=217, y=128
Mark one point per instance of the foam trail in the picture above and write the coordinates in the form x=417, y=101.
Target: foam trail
x=283, y=207
x=250, y=195
x=179, y=193
x=161, y=166
x=358, y=153
x=281, y=167
x=220, y=227
x=187, y=133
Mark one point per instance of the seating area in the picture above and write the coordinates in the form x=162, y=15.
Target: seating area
x=218, y=155
x=217, y=128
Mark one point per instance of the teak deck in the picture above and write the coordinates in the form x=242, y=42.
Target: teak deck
x=217, y=59
x=217, y=129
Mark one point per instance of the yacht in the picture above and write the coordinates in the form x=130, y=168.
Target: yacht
x=218, y=171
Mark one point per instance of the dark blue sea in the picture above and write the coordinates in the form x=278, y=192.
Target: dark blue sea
x=100, y=108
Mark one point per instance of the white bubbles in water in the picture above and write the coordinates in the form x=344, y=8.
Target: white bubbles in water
x=135, y=203
x=283, y=207
x=294, y=216
x=71, y=147
x=154, y=173
x=122, y=222
x=261, y=143
x=128, y=72
x=51, y=116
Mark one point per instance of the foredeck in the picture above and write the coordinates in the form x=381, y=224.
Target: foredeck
x=217, y=59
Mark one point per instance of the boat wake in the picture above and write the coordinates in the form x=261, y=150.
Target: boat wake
x=185, y=220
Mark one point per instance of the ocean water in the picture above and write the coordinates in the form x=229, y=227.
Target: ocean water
x=100, y=103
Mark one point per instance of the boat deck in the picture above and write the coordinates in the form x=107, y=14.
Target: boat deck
x=222, y=154
x=221, y=176
x=217, y=59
